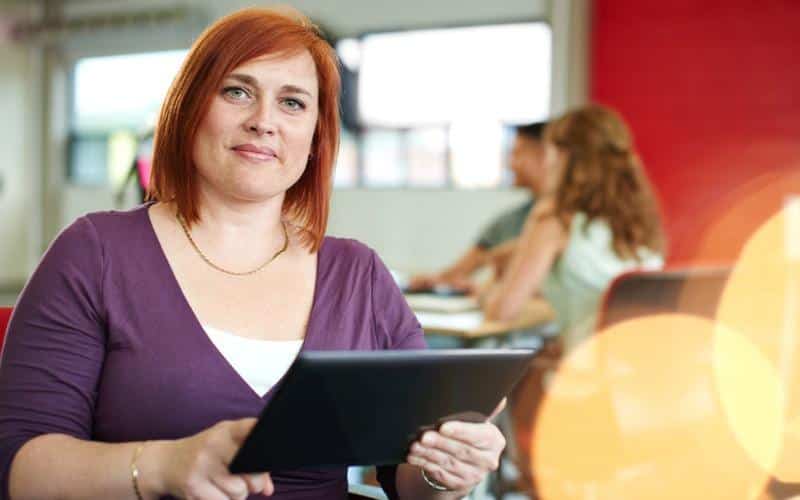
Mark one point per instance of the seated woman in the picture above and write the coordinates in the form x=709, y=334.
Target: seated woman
x=147, y=341
x=598, y=219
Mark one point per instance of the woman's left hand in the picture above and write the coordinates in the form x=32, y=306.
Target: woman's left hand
x=460, y=454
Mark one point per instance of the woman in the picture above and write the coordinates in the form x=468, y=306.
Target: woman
x=146, y=341
x=597, y=219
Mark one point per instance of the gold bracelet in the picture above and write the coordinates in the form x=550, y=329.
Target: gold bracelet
x=434, y=484
x=135, y=471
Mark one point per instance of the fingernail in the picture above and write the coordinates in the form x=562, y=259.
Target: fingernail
x=427, y=438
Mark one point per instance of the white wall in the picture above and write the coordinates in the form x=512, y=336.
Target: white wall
x=417, y=230
x=17, y=128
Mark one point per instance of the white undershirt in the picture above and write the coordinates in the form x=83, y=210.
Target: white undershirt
x=260, y=363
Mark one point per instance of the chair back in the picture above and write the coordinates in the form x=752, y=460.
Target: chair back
x=5, y=316
x=694, y=291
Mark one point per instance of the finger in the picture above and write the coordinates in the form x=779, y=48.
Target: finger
x=496, y=412
x=255, y=482
x=229, y=443
x=207, y=491
x=234, y=487
x=422, y=456
x=239, y=429
x=484, y=436
x=269, y=486
x=460, y=451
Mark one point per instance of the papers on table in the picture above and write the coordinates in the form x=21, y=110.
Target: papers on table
x=458, y=321
x=424, y=302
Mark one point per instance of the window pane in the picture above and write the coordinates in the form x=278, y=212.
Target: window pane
x=499, y=72
x=427, y=157
x=121, y=153
x=384, y=159
x=88, y=160
x=346, y=172
x=120, y=92
x=476, y=153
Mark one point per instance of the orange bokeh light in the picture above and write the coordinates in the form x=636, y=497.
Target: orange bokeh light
x=762, y=301
x=635, y=412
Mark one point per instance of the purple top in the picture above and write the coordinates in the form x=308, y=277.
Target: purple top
x=103, y=345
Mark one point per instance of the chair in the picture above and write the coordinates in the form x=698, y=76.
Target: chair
x=643, y=293
x=630, y=295
x=5, y=316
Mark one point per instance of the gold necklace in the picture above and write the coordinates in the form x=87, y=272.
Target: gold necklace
x=234, y=273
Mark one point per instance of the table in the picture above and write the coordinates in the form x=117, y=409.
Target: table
x=468, y=324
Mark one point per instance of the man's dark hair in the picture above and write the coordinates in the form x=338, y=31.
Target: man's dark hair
x=532, y=130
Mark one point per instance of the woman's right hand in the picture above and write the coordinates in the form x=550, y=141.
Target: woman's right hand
x=197, y=467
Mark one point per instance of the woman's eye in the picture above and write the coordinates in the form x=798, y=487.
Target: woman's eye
x=294, y=104
x=235, y=93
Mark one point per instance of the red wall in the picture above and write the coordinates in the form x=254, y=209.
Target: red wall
x=711, y=90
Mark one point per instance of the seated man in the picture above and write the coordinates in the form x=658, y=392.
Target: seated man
x=495, y=243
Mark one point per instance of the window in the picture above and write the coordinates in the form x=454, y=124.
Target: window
x=435, y=107
x=114, y=100
x=422, y=109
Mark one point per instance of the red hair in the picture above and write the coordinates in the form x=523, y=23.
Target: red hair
x=222, y=47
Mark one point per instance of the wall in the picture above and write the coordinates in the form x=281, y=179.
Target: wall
x=711, y=91
x=17, y=130
x=421, y=230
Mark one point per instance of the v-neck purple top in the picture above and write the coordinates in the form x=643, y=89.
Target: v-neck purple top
x=103, y=345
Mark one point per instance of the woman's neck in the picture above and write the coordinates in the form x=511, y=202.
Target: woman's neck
x=248, y=230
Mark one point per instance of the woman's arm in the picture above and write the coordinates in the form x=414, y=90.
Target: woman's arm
x=63, y=467
x=542, y=240
x=458, y=275
x=410, y=484
x=60, y=466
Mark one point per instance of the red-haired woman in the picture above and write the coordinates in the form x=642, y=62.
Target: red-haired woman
x=147, y=340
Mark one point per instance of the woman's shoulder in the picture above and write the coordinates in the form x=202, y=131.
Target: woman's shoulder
x=348, y=250
x=118, y=220
x=102, y=226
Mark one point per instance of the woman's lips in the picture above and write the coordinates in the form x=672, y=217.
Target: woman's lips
x=255, y=153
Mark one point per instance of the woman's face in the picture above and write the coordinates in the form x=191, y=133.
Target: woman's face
x=254, y=142
x=555, y=161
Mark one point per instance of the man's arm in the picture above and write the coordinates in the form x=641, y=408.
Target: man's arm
x=457, y=275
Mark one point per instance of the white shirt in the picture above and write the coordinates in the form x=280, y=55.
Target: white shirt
x=260, y=363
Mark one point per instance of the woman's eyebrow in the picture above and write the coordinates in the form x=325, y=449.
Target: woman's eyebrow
x=246, y=79
x=249, y=80
x=296, y=90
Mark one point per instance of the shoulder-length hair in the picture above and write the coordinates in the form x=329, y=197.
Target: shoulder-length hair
x=223, y=46
x=603, y=178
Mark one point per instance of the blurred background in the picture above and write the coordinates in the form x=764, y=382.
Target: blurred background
x=432, y=92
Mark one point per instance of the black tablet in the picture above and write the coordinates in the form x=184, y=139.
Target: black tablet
x=338, y=408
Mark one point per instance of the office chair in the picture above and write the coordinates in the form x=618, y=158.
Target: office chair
x=694, y=291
